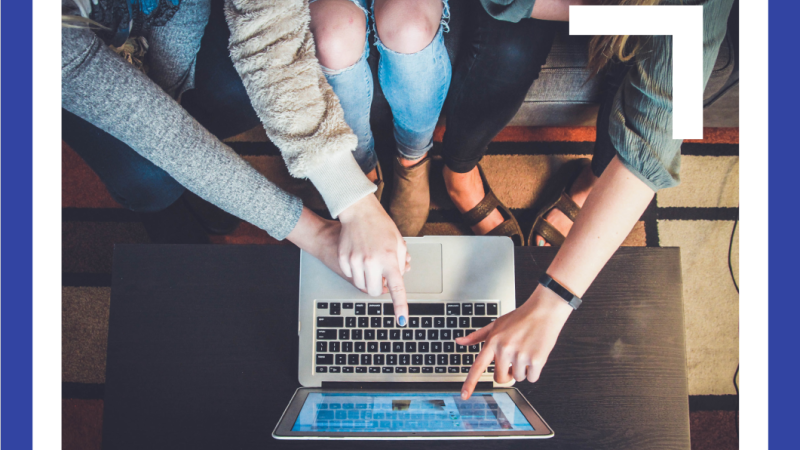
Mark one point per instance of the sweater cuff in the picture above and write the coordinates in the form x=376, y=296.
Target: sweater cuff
x=341, y=182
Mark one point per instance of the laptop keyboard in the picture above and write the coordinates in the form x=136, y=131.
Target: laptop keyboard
x=358, y=338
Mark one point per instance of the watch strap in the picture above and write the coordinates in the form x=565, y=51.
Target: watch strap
x=547, y=281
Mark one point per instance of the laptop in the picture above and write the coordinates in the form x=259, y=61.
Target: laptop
x=364, y=377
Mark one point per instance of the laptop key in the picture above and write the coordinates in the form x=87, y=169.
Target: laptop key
x=388, y=322
x=480, y=309
x=468, y=332
x=350, y=322
x=411, y=347
x=491, y=309
x=446, y=335
x=461, y=348
x=419, y=335
x=334, y=369
x=347, y=369
x=322, y=347
x=330, y=322
x=408, y=335
x=334, y=347
x=324, y=359
x=441, y=369
x=361, y=309
x=400, y=370
x=386, y=347
x=466, y=309
x=322, y=305
x=388, y=370
x=404, y=360
x=452, y=322
x=480, y=322
x=453, y=309
x=441, y=360
x=458, y=333
x=322, y=369
x=424, y=347
x=360, y=347
x=366, y=360
x=344, y=335
x=352, y=360
x=336, y=309
x=433, y=335
x=430, y=360
x=391, y=360
x=388, y=309
x=463, y=322
x=377, y=360
x=455, y=360
x=347, y=306
x=374, y=309
x=466, y=360
x=490, y=369
x=361, y=369
x=436, y=347
x=363, y=322
x=356, y=334
x=416, y=359
x=413, y=322
x=474, y=348
x=427, y=322
x=383, y=335
x=375, y=322
x=341, y=359
x=449, y=347
x=452, y=370
x=397, y=347
x=374, y=369
x=347, y=347
x=413, y=370
x=465, y=370
x=369, y=334
x=372, y=347
x=427, y=370
x=394, y=334
x=327, y=335
x=438, y=322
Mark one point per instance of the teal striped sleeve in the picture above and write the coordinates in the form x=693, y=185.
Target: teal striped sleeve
x=509, y=10
x=641, y=116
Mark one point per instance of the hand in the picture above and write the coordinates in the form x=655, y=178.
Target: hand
x=519, y=342
x=373, y=253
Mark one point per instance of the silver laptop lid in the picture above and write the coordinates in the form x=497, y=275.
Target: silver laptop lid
x=445, y=269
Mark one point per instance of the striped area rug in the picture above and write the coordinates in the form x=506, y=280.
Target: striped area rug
x=697, y=216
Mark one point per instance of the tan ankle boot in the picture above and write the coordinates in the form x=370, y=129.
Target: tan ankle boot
x=379, y=182
x=411, y=197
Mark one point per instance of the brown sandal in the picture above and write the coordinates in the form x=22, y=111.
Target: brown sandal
x=510, y=227
x=560, y=200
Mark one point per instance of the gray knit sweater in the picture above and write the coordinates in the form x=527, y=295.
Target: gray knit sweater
x=273, y=50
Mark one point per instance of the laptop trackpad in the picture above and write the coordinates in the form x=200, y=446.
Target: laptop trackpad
x=425, y=276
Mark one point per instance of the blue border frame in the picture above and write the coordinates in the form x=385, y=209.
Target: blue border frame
x=784, y=311
x=17, y=232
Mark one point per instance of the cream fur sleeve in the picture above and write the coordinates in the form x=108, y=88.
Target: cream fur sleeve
x=273, y=50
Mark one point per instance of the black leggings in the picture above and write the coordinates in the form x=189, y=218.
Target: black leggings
x=496, y=65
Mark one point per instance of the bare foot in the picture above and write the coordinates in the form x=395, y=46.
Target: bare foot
x=579, y=191
x=466, y=191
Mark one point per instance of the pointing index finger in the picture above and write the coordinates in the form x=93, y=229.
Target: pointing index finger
x=397, y=290
x=482, y=361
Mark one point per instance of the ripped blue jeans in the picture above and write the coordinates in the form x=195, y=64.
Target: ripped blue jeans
x=415, y=85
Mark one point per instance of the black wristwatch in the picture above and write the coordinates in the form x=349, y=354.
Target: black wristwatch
x=548, y=282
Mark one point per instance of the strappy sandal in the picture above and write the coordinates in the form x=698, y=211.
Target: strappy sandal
x=560, y=200
x=510, y=227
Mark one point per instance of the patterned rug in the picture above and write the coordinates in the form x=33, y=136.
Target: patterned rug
x=698, y=216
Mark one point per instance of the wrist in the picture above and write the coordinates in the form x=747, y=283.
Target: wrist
x=359, y=209
x=307, y=230
x=552, y=304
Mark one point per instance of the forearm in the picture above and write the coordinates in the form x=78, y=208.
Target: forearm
x=273, y=51
x=101, y=88
x=615, y=204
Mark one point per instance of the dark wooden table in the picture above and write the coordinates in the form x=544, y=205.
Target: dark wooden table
x=202, y=353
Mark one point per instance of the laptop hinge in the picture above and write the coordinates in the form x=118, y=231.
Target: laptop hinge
x=396, y=386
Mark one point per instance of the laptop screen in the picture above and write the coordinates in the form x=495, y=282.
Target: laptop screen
x=403, y=412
